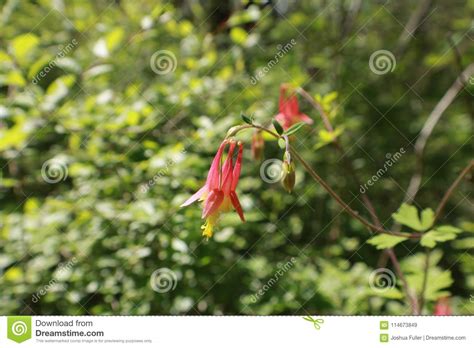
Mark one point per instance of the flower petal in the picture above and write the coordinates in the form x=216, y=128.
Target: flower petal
x=213, y=202
x=227, y=170
x=305, y=118
x=195, y=197
x=235, y=202
x=284, y=119
x=237, y=168
x=212, y=181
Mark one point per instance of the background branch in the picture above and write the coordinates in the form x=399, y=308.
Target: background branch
x=428, y=127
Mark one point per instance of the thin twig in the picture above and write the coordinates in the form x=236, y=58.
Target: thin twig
x=460, y=65
x=425, y=279
x=413, y=25
x=411, y=296
x=428, y=127
x=347, y=164
x=344, y=205
x=451, y=189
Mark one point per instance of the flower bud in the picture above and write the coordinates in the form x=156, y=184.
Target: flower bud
x=288, y=175
x=257, y=145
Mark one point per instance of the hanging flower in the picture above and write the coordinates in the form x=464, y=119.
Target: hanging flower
x=218, y=193
x=442, y=307
x=289, y=111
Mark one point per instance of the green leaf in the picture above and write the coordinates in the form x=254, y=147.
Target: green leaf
x=278, y=127
x=23, y=47
x=114, y=38
x=408, y=215
x=330, y=97
x=13, y=78
x=245, y=118
x=467, y=226
x=439, y=234
x=282, y=143
x=390, y=293
x=238, y=35
x=385, y=241
x=427, y=218
x=438, y=280
x=58, y=90
x=294, y=128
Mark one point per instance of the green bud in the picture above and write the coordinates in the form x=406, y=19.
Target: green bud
x=289, y=175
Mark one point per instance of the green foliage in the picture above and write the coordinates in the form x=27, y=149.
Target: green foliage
x=438, y=280
x=439, y=234
x=277, y=127
x=408, y=215
x=384, y=241
x=246, y=119
x=294, y=128
x=78, y=86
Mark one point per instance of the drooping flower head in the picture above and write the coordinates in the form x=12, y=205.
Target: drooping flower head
x=218, y=193
x=289, y=110
x=442, y=307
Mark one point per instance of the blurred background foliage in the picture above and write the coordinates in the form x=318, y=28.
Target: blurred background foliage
x=137, y=144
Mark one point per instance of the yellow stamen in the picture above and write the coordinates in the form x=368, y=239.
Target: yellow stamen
x=207, y=229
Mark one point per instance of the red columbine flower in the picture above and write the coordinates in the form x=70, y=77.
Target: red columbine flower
x=218, y=193
x=442, y=307
x=289, y=109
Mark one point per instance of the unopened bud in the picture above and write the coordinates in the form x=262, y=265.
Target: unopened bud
x=288, y=175
x=257, y=145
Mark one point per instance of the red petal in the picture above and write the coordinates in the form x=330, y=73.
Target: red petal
x=227, y=170
x=212, y=181
x=284, y=119
x=282, y=99
x=195, y=196
x=292, y=104
x=235, y=202
x=213, y=202
x=305, y=118
x=237, y=168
